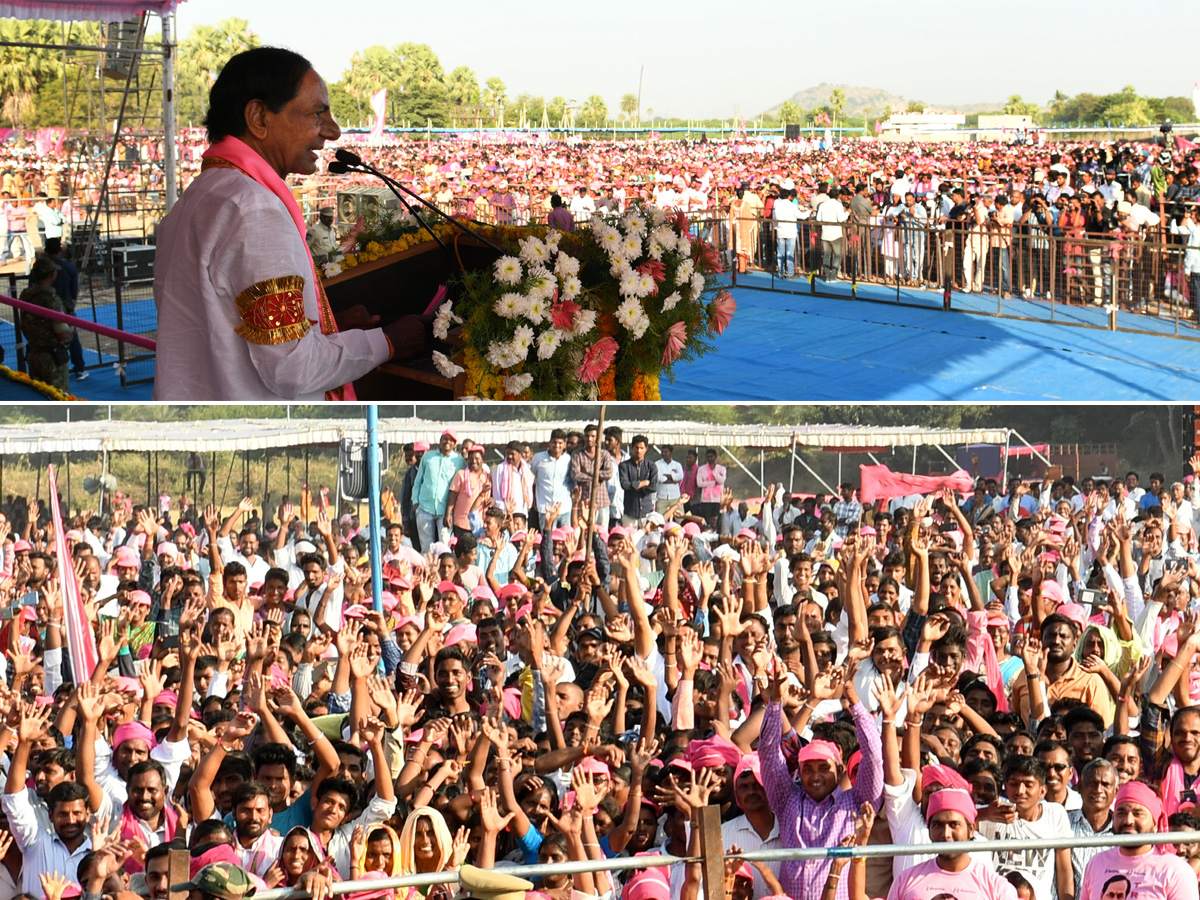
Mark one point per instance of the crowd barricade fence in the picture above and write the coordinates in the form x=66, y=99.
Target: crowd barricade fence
x=1134, y=282
x=712, y=857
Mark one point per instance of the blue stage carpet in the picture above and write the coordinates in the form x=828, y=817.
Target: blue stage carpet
x=783, y=347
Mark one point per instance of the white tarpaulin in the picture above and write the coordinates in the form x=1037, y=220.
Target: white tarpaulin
x=261, y=434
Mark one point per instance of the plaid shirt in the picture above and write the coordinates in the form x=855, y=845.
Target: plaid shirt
x=846, y=512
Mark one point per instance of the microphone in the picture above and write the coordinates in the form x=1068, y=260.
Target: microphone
x=349, y=157
x=337, y=167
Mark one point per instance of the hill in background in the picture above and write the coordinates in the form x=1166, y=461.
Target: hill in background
x=876, y=100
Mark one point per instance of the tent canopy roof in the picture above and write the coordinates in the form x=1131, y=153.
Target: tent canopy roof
x=261, y=434
x=93, y=11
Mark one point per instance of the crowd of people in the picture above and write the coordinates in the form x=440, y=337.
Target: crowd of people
x=1018, y=663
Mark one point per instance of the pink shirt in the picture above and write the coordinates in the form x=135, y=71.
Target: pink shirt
x=1154, y=876
x=466, y=485
x=975, y=882
x=711, y=481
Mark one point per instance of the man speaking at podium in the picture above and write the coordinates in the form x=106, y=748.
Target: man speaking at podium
x=241, y=311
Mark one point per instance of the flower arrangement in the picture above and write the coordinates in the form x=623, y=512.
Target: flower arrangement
x=600, y=312
x=46, y=390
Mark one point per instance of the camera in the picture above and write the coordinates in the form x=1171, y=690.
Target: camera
x=1166, y=127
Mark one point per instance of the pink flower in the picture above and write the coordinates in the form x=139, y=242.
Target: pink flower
x=351, y=238
x=597, y=359
x=656, y=269
x=681, y=221
x=721, y=312
x=563, y=315
x=706, y=256
x=676, y=339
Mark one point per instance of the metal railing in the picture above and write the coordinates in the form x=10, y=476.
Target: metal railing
x=1130, y=282
x=716, y=853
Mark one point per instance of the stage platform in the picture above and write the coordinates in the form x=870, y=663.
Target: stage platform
x=801, y=347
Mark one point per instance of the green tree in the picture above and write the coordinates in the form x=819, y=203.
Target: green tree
x=532, y=107
x=24, y=69
x=790, y=113
x=1015, y=106
x=423, y=96
x=557, y=108
x=496, y=93
x=1128, y=108
x=837, y=102
x=629, y=106
x=206, y=49
x=463, y=87
x=915, y=106
x=594, y=111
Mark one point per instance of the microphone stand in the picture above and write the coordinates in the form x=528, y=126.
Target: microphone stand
x=395, y=185
x=363, y=167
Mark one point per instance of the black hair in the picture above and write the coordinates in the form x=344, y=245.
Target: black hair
x=343, y=786
x=1083, y=714
x=66, y=792
x=211, y=832
x=147, y=765
x=269, y=74
x=232, y=570
x=276, y=574
x=275, y=755
x=1025, y=765
x=248, y=791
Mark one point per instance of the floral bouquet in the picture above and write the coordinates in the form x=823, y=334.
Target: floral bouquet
x=599, y=313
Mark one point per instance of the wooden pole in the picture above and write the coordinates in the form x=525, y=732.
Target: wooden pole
x=179, y=863
x=591, y=529
x=712, y=851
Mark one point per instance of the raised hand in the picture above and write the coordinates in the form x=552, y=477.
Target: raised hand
x=88, y=701
x=489, y=812
x=691, y=651
x=239, y=727
x=460, y=848
x=885, y=694
x=53, y=884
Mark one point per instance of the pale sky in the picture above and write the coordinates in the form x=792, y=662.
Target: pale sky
x=701, y=58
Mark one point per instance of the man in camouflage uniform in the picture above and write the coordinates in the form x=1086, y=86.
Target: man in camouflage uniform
x=48, y=340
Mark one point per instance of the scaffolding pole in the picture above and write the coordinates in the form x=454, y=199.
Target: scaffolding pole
x=742, y=467
x=796, y=456
x=170, y=172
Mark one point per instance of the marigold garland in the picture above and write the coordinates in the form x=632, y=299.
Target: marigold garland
x=652, y=391
x=46, y=390
x=638, y=391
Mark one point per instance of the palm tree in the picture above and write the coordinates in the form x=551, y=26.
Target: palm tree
x=629, y=105
x=594, y=110
x=497, y=91
x=837, y=102
x=464, y=87
x=206, y=49
x=23, y=69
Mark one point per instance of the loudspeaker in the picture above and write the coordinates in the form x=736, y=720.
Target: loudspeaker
x=120, y=37
x=352, y=468
x=362, y=200
x=791, y=132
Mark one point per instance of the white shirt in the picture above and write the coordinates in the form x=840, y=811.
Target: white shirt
x=170, y=755
x=831, y=211
x=669, y=490
x=260, y=855
x=739, y=831
x=256, y=572
x=907, y=825
x=230, y=238
x=1036, y=865
x=42, y=849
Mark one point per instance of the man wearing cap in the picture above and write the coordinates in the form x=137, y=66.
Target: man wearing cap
x=482, y=884
x=1149, y=869
x=431, y=488
x=227, y=881
x=756, y=828
x=951, y=818
x=322, y=237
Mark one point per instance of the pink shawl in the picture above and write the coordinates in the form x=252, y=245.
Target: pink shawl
x=133, y=828
x=238, y=154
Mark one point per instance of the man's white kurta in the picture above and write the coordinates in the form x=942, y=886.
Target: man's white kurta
x=229, y=275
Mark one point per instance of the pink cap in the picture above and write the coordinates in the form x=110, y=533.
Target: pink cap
x=21, y=545
x=74, y=535
x=747, y=533
x=646, y=886
x=390, y=601
x=1052, y=590
x=132, y=731
x=483, y=592
x=512, y=589
x=618, y=531
x=141, y=598
x=591, y=766
x=1076, y=613
x=1140, y=793
x=459, y=633
x=944, y=777
x=820, y=750
x=691, y=529
x=357, y=611
x=450, y=433
x=512, y=702
x=749, y=763
x=955, y=800
x=559, y=534
x=167, y=698
x=128, y=684
x=127, y=558
x=715, y=751
x=420, y=446
x=166, y=547
x=414, y=621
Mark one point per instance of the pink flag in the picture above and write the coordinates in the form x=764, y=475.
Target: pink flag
x=47, y=141
x=379, y=105
x=878, y=126
x=1183, y=143
x=881, y=483
x=81, y=642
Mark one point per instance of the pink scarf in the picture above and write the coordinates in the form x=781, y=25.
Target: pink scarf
x=236, y=153
x=134, y=828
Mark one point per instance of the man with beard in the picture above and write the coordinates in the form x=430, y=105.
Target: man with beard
x=1097, y=787
x=1158, y=875
x=951, y=818
x=1065, y=676
x=61, y=846
x=256, y=847
x=756, y=828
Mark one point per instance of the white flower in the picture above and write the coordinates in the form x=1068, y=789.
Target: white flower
x=542, y=283
x=522, y=341
x=671, y=302
x=656, y=215
x=646, y=285
x=510, y=356
x=630, y=313
x=664, y=235
x=331, y=268
x=632, y=246
x=566, y=265
x=445, y=366
x=631, y=283
x=553, y=236
x=571, y=286
x=548, y=342
x=697, y=285
x=508, y=270
x=608, y=238
x=517, y=384
x=620, y=267
x=441, y=322
x=533, y=251
x=496, y=354
x=535, y=310
x=639, y=326
x=633, y=224
x=585, y=321
x=684, y=272
x=509, y=306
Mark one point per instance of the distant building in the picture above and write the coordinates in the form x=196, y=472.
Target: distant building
x=922, y=123
x=1003, y=122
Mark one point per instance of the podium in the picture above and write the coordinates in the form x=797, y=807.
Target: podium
x=404, y=284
